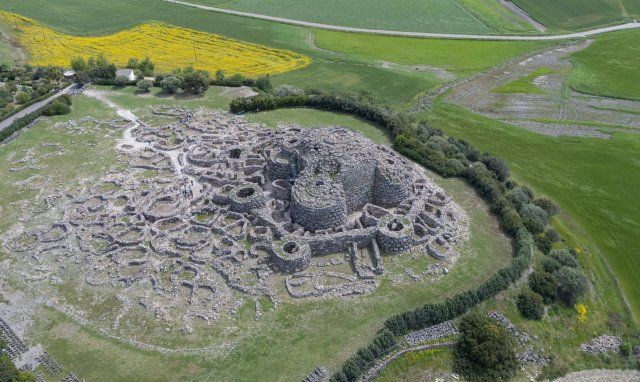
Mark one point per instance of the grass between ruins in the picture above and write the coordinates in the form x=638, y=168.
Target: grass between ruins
x=264, y=349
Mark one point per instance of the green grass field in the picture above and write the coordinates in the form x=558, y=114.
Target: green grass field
x=609, y=66
x=577, y=14
x=460, y=57
x=590, y=178
x=524, y=84
x=467, y=16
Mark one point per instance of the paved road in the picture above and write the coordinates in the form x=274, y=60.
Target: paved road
x=592, y=32
x=5, y=123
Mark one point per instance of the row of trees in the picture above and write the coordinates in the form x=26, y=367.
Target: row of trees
x=522, y=215
x=188, y=80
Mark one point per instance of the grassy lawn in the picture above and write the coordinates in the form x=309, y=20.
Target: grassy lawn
x=524, y=84
x=461, y=57
x=575, y=14
x=591, y=179
x=609, y=66
x=468, y=16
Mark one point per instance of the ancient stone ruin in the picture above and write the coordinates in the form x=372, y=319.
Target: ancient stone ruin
x=208, y=203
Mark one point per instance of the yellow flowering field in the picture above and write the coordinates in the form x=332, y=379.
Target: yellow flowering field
x=169, y=47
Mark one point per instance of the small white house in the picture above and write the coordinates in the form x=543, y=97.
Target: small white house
x=69, y=73
x=126, y=73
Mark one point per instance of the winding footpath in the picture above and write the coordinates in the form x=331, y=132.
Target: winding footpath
x=30, y=109
x=384, y=32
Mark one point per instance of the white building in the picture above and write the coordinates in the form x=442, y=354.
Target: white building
x=126, y=73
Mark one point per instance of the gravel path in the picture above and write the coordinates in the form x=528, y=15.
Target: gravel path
x=592, y=32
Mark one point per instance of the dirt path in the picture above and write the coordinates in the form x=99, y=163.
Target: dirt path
x=385, y=32
x=516, y=10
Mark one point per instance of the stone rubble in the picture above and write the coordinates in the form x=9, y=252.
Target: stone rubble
x=431, y=333
x=602, y=344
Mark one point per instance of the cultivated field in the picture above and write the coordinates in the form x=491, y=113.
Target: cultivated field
x=168, y=47
x=467, y=16
x=578, y=14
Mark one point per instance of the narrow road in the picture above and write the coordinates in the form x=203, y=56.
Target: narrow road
x=30, y=109
x=384, y=32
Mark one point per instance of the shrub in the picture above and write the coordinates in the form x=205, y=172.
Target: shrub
x=544, y=284
x=121, y=81
x=65, y=98
x=264, y=83
x=497, y=166
x=564, y=257
x=170, y=85
x=286, y=90
x=484, y=351
x=571, y=285
x=56, y=108
x=549, y=264
x=533, y=217
x=547, y=205
x=625, y=349
x=519, y=196
x=144, y=85
x=543, y=243
x=530, y=305
x=552, y=235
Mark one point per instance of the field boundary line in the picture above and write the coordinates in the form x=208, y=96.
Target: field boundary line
x=385, y=32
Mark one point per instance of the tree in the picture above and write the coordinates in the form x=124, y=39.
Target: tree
x=22, y=97
x=530, y=305
x=144, y=85
x=122, y=81
x=146, y=66
x=484, y=351
x=170, y=85
x=571, y=285
x=544, y=284
x=219, y=76
x=78, y=64
x=195, y=82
